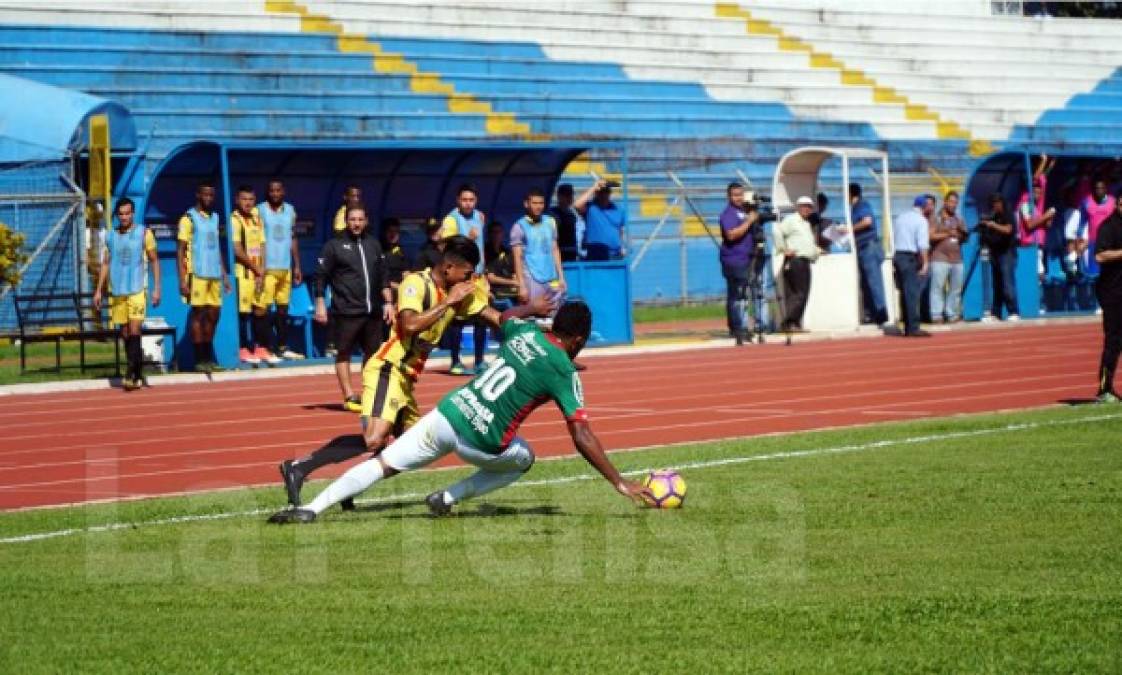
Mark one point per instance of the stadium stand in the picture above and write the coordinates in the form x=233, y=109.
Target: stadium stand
x=700, y=88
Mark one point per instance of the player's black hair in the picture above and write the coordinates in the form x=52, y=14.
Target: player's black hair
x=352, y=186
x=245, y=187
x=565, y=189
x=124, y=201
x=459, y=249
x=204, y=183
x=534, y=192
x=732, y=186
x=854, y=189
x=466, y=187
x=950, y=193
x=574, y=320
x=272, y=180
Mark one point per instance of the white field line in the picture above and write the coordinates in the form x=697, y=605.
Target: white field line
x=704, y=464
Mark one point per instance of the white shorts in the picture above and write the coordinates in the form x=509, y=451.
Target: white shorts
x=433, y=437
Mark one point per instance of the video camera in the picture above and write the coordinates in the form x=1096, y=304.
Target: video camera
x=760, y=203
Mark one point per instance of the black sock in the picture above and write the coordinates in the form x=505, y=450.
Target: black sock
x=200, y=352
x=210, y=355
x=243, y=330
x=135, y=356
x=1106, y=376
x=280, y=327
x=338, y=450
x=479, y=341
x=261, y=331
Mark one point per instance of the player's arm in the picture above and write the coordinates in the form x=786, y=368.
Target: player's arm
x=518, y=256
x=1108, y=250
x=240, y=254
x=558, y=265
x=297, y=274
x=863, y=224
x=413, y=321
x=539, y=306
x=181, y=241
x=102, y=278
x=322, y=277
x=154, y=265
x=589, y=447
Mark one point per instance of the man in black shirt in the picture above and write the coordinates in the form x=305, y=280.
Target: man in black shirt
x=997, y=234
x=397, y=264
x=1108, y=290
x=433, y=250
x=570, y=225
x=353, y=265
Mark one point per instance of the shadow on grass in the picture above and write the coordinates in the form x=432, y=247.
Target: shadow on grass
x=483, y=511
x=1078, y=401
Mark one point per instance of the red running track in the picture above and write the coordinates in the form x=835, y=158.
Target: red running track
x=106, y=444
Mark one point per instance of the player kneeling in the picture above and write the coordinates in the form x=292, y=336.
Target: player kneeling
x=478, y=422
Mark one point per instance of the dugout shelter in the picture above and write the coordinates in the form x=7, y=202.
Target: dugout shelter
x=410, y=181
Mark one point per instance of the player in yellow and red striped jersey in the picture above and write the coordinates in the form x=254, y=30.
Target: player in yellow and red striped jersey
x=427, y=302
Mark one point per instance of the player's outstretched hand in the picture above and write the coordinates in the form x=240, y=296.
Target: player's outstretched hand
x=460, y=291
x=636, y=492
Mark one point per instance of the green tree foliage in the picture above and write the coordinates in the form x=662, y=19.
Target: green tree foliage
x=12, y=256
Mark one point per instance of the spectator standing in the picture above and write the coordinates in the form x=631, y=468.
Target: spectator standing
x=499, y=268
x=282, y=263
x=1033, y=220
x=870, y=256
x=397, y=264
x=202, y=274
x=537, y=256
x=570, y=224
x=1097, y=207
x=795, y=241
x=604, y=225
x=909, y=233
x=432, y=251
x=998, y=237
x=468, y=221
x=1075, y=233
x=249, y=271
x=946, y=234
x=736, y=258
x=352, y=197
x=1108, y=290
x=355, y=269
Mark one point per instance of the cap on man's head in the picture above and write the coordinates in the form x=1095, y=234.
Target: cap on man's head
x=920, y=201
x=565, y=189
x=804, y=201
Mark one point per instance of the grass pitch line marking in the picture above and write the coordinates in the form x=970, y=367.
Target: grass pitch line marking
x=704, y=464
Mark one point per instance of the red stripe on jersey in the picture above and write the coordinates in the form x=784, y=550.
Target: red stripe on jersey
x=519, y=418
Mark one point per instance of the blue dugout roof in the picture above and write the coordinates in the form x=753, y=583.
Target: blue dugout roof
x=39, y=122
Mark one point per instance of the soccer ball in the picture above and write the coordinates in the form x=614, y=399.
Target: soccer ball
x=668, y=487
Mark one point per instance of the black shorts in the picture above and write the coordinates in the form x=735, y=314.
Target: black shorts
x=364, y=332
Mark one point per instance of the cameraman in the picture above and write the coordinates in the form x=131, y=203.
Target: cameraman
x=737, y=221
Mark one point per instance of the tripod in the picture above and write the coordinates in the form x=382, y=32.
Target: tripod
x=752, y=295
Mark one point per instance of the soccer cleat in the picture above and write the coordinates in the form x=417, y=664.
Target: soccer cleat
x=347, y=504
x=286, y=353
x=1107, y=397
x=330, y=352
x=129, y=384
x=293, y=480
x=352, y=404
x=246, y=356
x=437, y=506
x=266, y=356
x=457, y=369
x=289, y=516
x=1013, y=317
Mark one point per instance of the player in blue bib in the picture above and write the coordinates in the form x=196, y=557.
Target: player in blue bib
x=479, y=422
x=129, y=251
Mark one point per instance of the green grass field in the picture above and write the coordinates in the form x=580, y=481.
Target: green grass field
x=41, y=362
x=657, y=313
x=965, y=544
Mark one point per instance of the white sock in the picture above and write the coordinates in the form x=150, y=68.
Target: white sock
x=357, y=479
x=479, y=484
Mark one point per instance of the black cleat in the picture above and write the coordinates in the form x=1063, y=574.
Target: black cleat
x=293, y=481
x=289, y=516
x=347, y=504
x=437, y=506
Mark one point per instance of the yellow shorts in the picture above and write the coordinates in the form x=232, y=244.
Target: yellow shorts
x=388, y=395
x=206, y=292
x=246, y=293
x=277, y=289
x=126, y=308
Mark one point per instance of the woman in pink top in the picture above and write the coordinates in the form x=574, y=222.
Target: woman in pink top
x=1097, y=208
x=1033, y=220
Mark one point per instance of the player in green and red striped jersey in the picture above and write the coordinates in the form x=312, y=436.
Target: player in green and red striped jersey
x=479, y=420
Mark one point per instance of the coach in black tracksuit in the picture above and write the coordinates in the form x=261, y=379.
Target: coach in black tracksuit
x=1108, y=289
x=355, y=268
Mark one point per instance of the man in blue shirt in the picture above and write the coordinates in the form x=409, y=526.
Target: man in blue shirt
x=870, y=255
x=537, y=255
x=910, y=232
x=604, y=222
x=736, y=258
